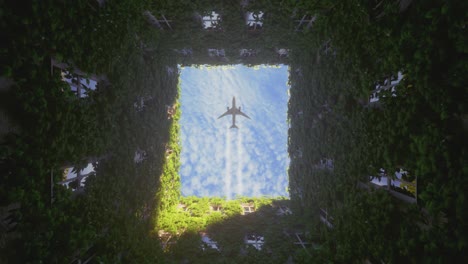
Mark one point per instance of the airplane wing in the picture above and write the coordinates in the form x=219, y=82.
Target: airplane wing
x=242, y=114
x=228, y=112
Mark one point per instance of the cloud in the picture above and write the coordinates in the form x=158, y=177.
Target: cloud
x=255, y=163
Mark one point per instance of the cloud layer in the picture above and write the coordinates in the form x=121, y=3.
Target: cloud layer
x=219, y=161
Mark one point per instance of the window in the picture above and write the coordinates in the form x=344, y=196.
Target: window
x=305, y=22
x=300, y=240
x=166, y=238
x=171, y=110
x=75, y=179
x=254, y=240
x=215, y=208
x=283, y=210
x=216, y=53
x=248, y=53
x=328, y=49
x=141, y=103
x=160, y=23
x=326, y=218
x=79, y=85
x=282, y=52
x=207, y=242
x=325, y=164
x=140, y=156
x=212, y=21
x=182, y=207
x=76, y=79
x=185, y=52
x=401, y=181
x=388, y=83
x=254, y=20
x=171, y=70
x=248, y=208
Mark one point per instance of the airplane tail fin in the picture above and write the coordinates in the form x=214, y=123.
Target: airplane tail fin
x=233, y=126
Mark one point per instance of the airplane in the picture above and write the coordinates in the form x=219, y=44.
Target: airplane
x=233, y=111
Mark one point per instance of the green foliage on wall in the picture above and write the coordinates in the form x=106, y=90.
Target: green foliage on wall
x=357, y=44
x=335, y=64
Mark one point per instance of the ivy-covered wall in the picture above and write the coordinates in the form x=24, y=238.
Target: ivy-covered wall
x=130, y=124
x=418, y=126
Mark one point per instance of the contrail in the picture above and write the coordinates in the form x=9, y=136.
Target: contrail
x=227, y=182
x=239, y=187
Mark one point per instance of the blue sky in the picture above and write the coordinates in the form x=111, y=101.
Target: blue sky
x=219, y=161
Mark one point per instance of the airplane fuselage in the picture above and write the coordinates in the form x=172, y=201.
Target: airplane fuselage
x=234, y=114
x=234, y=111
